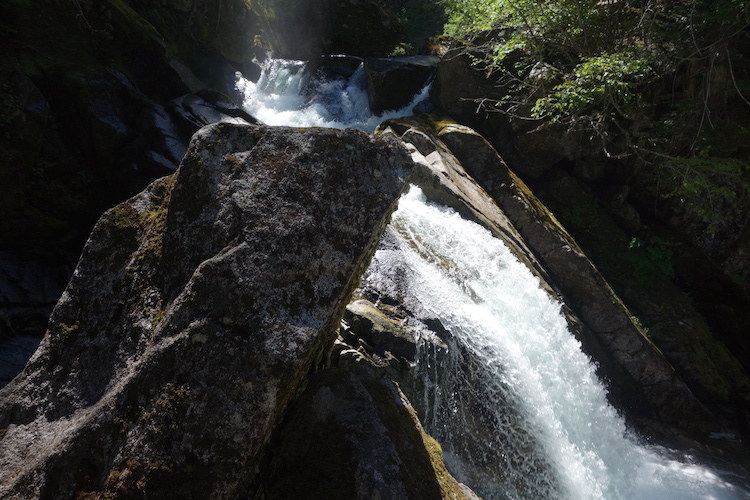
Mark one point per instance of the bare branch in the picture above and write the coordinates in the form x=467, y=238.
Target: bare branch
x=734, y=81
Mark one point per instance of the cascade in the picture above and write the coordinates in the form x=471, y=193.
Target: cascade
x=286, y=94
x=514, y=401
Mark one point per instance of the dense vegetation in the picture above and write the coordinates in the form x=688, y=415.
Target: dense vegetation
x=654, y=94
x=659, y=80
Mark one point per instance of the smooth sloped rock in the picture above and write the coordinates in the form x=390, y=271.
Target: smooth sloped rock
x=195, y=312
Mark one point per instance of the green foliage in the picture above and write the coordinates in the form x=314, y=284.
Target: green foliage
x=587, y=63
x=573, y=60
x=402, y=49
x=639, y=324
x=469, y=16
x=650, y=258
x=569, y=28
x=601, y=85
x=710, y=189
x=596, y=54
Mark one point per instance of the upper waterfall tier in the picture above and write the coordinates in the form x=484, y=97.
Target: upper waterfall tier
x=288, y=94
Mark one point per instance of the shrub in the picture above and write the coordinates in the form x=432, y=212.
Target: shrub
x=603, y=85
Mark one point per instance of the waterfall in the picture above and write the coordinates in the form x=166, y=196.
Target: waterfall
x=515, y=402
x=286, y=94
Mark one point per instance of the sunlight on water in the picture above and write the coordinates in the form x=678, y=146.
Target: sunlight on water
x=284, y=95
x=515, y=403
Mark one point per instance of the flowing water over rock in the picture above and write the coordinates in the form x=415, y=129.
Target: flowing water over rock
x=513, y=400
x=516, y=405
x=286, y=94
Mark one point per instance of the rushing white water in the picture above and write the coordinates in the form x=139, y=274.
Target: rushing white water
x=515, y=403
x=284, y=95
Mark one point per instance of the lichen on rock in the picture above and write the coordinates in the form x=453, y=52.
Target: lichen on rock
x=195, y=313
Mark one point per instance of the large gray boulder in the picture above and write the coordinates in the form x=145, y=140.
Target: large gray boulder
x=196, y=311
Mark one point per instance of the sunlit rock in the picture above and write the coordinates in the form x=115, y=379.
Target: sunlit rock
x=195, y=312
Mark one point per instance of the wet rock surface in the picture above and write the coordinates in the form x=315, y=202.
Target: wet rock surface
x=392, y=83
x=354, y=435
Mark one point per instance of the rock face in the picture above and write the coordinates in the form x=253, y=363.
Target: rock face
x=95, y=107
x=299, y=29
x=195, y=311
x=354, y=435
x=392, y=83
x=84, y=118
x=458, y=84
